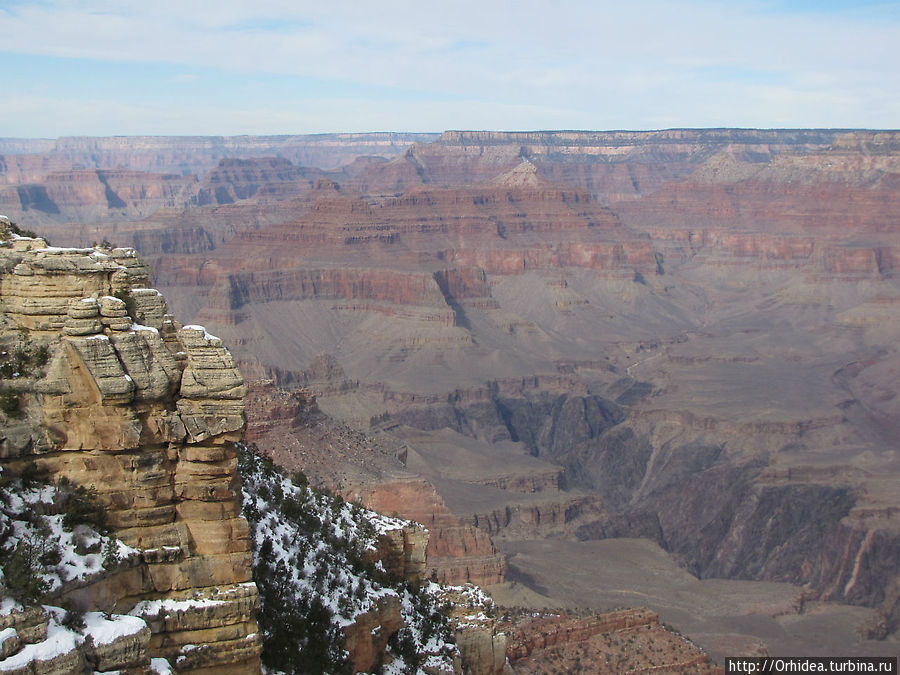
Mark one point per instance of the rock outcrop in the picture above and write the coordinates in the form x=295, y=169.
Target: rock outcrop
x=145, y=412
x=623, y=641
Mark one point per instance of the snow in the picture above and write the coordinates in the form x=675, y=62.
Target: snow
x=157, y=607
x=60, y=640
x=104, y=631
x=141, y=327
x=314, y=555
x=97, y=337
x=9, y=605
x=201, y=329
x=145, y=291
x=90, y=301
x=25, y=513
x=160, y=667
x=72, y=565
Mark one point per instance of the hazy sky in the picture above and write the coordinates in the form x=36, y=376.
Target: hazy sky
x=104, y=67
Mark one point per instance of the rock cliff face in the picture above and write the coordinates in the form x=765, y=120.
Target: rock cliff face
x=615, y=642
x=91, y=194
x=198, y=154
x=145, y=412
x=297, y=436
x=90, y=180
x=236, y=179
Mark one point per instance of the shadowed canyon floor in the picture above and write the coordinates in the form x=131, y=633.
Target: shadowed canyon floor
x=558, y=340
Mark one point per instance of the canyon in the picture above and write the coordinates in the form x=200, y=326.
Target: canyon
x=130, y=504
x=542, y=343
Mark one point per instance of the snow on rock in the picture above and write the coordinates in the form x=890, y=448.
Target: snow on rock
x=201, y=329
x=313, y=564
x=60, y=641
x=40, y=528
x=160, y=667
x=104, y=631
x=166, y=607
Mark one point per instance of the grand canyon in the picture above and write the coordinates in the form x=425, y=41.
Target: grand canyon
x=605, y=370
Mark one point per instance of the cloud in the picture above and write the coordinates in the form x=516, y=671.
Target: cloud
x=591, y=63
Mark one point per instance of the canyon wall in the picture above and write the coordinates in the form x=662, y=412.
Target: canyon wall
x=197, y=154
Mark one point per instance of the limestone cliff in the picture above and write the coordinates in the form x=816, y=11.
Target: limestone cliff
x=145, y=412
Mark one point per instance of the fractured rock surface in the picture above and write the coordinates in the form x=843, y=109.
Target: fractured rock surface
x=146, y=415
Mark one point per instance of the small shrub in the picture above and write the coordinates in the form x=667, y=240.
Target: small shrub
x=81, y=508
x=22, y=572
x=41, y=356
x=9, y=403
x=29, y=475
x=110, y=554
x=74, y=620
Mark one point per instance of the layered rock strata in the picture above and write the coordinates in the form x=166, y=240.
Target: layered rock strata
x=291, y=429
x=630, y=640
x=145, y=414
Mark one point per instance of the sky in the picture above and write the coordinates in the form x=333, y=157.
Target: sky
x=223, y=67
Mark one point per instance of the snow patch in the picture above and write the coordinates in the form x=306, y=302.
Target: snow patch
x=60, y=640
x=160, y=667
x=9, y=605
x=104, y=631
x=160, y=607
x=201, y=329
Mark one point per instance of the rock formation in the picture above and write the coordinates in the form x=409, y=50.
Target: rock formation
x=614, y=642
x=297, y=436
x=145, y=412
x=193, y=154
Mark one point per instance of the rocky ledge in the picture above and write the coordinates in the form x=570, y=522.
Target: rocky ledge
x=105, y=390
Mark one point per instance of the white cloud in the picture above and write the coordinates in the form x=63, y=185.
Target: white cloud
x=92, y=117
x=605, y=61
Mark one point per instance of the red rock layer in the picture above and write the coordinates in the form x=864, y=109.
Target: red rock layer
x=290, y=429
x=624, y=641
x=235, y=179
x=20, y=169
x=457, y=553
